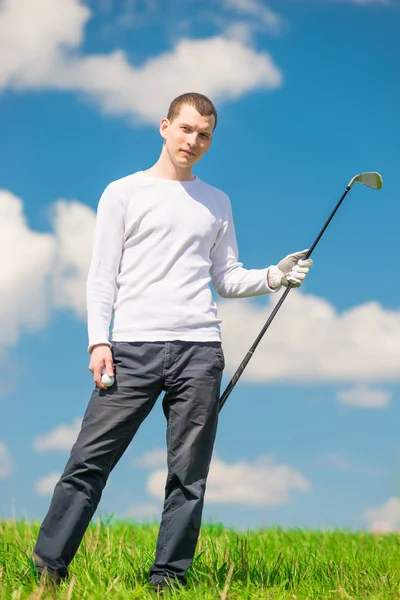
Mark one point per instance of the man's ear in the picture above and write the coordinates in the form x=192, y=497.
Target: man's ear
x=164, y=125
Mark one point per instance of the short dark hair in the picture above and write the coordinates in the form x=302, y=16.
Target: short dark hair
x=201, y=103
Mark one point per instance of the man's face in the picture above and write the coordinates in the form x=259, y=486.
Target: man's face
x=188, y=136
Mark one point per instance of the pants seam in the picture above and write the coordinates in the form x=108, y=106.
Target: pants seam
x=170, y=509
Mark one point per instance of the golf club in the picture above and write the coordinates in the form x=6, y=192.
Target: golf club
x=370, y=179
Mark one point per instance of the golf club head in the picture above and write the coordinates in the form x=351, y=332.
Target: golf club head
x=370, y=179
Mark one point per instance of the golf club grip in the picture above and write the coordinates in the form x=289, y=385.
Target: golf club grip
x=250, y=353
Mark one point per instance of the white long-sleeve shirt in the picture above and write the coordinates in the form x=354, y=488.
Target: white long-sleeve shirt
x=157, y=246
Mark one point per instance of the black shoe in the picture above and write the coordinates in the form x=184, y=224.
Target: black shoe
x=46, y=576
x=166, y=585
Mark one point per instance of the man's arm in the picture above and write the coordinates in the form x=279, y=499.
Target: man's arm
x=231, y=280
x=104, y=267
x=229, y=277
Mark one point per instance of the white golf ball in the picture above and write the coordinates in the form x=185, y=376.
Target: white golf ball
x=106, y=380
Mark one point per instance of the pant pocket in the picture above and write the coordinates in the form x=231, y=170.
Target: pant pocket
x=220, y=358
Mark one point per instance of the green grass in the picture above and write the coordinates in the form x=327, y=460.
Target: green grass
x=114, y=559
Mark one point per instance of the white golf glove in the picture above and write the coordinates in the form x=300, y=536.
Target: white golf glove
x=291, y=269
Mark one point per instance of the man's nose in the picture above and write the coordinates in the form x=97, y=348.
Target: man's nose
x=192, y=139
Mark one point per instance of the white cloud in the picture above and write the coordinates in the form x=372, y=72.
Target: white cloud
x=143, y=512
x=61, y=438
x=74, y=224
x=43, y=271
x=359, y=2
x=131, y=14
x=384, y=518
x=25, y=280
x=144, y=93
x=45, y=486
x=263, y=483
x=5, y=461
x=183, y=16
x=153, y=458
x=363, y=396
x=241, y=32
x=41, y=42
x=254, y=8
x=343, y=463
x=310, y=341
x=35, y=38
x=364, y=2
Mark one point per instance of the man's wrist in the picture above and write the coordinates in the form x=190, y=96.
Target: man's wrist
x=274, y=278
x=91, y=348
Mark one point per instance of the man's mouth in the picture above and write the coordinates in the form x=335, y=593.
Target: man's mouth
x=189, y=152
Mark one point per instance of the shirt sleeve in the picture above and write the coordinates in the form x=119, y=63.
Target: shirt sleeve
x=229, y=277
x=101, y=283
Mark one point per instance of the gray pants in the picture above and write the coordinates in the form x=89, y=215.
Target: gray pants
x=190, y=373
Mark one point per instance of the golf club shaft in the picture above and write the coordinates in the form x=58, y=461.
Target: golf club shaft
x=319, y=236
x=250, y=353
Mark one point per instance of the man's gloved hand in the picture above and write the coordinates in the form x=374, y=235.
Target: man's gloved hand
x=291, y=269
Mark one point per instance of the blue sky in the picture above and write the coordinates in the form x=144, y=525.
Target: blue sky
x=307, y=94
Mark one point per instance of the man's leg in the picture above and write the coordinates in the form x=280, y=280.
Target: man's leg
x=191, y=408
x=111, y=420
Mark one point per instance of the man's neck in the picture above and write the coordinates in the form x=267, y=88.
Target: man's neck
x=164, y=169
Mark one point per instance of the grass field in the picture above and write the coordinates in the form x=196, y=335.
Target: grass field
x=114, y=559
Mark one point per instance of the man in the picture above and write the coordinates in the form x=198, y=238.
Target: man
x=161, y=236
